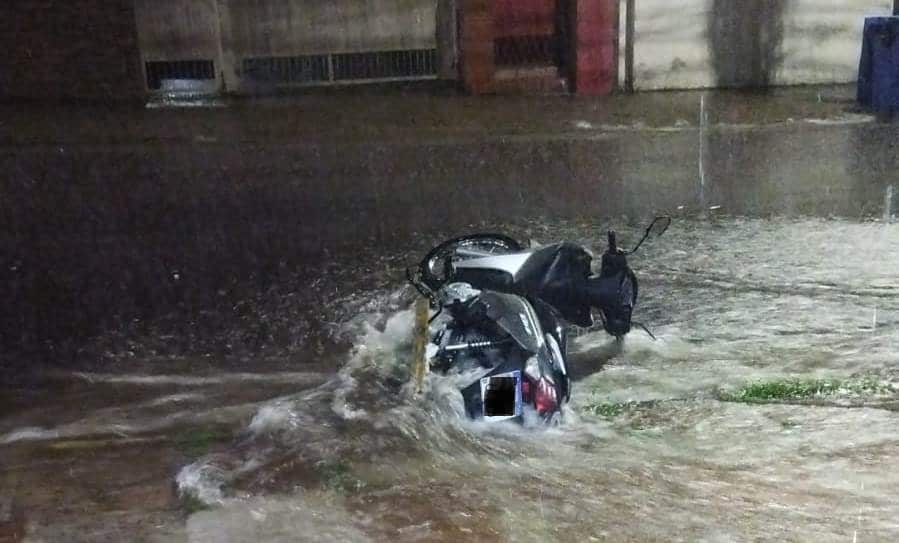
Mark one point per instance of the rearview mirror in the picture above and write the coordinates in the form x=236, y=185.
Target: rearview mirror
x=656, y=228
x=660, y=225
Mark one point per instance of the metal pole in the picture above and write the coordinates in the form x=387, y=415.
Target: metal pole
x=895, y=7
x=630, y=28
x=220, y=68
x=616, y=45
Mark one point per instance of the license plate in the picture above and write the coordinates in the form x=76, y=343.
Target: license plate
x=501, y=396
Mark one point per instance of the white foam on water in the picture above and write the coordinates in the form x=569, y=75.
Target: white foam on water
x=846, y=119
x=299, y=419
x=374, y=352
x=122, y=422
x=730, y=315
x=187, y=380
x=273, y=417
x=202, y=480
x=69, y=431
x=276, y=416
x=175, y=398
x=296, y=518
x=32, y=433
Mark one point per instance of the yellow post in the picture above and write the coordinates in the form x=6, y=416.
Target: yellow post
x=419, y=344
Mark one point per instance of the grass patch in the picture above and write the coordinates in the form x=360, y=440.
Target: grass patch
x=197, y=442
x=803, y=389
x=605, y=409
x=338, y=477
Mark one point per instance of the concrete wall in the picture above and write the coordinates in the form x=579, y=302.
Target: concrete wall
x=685, y=44
x=69, y=49
x=734, y=43
x=230, y=30
x=295, y=27
x=178, y=30
x=284, y=28
x=53, y=49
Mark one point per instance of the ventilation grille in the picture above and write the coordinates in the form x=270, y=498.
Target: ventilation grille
x=303, y=69
x=385, y=65
x=343, y=67
x=527, y=50
x=178, y=69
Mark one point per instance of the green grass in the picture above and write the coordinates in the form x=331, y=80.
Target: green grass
x=197, y=442
x=606, y=410
x=802, y=389
x=338, y=477
x=772, y=391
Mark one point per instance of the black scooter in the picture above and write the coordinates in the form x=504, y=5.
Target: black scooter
x=503, y=310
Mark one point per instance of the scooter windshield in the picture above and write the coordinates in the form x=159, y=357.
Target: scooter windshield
x=516, y=317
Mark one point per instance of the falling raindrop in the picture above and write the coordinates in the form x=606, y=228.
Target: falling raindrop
x=702, y=125
x=888, y=215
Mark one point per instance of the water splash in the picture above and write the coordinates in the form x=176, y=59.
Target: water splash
x=202, y=480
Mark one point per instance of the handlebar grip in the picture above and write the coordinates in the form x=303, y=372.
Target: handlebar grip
x=613, y=242
x=615, y=299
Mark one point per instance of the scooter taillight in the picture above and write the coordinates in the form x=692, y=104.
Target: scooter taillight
x=526, y=390
x=544, y=396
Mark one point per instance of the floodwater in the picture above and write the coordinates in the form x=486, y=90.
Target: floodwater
x=781, y=264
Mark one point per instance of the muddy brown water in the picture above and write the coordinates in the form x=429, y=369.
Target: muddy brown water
x=218, y=336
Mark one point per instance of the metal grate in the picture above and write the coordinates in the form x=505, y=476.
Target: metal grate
x=337, y=68
x=301, y=69
x=527, y=51
x=157, y=71
x=385, y=65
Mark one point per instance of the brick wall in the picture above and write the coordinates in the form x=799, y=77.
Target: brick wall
x=69, y=49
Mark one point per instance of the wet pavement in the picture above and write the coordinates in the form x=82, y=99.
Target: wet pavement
x=210, y=331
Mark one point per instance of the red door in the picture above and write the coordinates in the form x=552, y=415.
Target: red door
x=575, y=39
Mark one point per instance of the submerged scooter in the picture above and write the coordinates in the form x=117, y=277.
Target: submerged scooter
x=504, y=311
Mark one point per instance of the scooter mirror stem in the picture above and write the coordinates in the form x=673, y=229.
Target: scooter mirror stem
x=657, y=220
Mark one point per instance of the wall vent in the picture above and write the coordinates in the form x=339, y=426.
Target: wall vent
x=527, y=51
x=373, y=66
x=301, y=69
x=157, y=71
x=385, y=65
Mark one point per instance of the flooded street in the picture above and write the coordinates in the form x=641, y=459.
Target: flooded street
x=251, y=383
